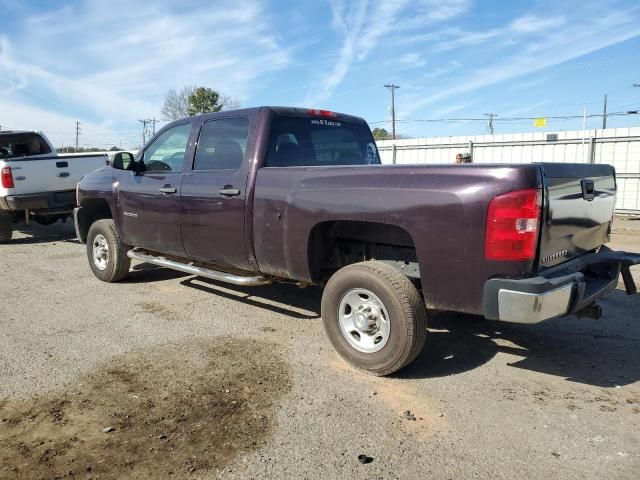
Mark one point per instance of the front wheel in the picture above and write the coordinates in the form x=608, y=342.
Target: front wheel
x=374, y=317
x=106, y=253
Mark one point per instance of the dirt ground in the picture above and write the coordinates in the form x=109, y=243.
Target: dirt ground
x=162, y=413
x=170, y=376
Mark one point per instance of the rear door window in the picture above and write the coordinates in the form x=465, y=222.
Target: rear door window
x=222, y=144
x=303, y=141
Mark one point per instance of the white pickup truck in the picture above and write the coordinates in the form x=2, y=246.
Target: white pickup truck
x=35, y=182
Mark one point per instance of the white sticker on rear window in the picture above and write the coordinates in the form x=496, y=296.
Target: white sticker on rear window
x=326, y=123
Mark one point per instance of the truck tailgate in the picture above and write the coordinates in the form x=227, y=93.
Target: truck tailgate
x=51, y=174
x=579, y=201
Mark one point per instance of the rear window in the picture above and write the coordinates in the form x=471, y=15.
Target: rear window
x=13, y=145
x=303, y=142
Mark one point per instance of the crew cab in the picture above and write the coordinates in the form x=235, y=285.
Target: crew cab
x=35, y=182
x=287, y=194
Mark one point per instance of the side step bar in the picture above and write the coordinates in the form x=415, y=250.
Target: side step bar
x=200, y=271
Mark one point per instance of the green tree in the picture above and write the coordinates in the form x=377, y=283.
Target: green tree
x=380, y=134
x=204, y=100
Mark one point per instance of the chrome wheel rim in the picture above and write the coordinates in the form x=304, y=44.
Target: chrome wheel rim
x=364, y=320
x=100, y=252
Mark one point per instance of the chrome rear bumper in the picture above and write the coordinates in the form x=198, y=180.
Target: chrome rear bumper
x=560, y=291
x=523, y=307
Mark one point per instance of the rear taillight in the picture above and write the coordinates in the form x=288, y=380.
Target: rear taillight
x=512, y=226
x=6, y=177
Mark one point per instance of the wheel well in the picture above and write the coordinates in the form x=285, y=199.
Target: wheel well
x=92, y=210
x=333, y=245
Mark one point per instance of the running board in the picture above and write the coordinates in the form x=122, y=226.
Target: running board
x=200, y=271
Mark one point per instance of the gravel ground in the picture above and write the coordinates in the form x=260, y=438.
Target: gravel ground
x=166, y=375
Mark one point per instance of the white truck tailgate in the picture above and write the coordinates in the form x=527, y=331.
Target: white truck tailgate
x=52, y=173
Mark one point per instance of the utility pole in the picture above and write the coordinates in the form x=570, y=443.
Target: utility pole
x=144, y=130
x=392, y=87
x=604, y=112
x=584, y=132
x=77, y=133
x=154, y=125
x=490, y=124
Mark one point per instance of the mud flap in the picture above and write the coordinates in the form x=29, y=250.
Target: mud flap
x=629, y=283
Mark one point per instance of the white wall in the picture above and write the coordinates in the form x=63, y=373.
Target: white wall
x=623, y=153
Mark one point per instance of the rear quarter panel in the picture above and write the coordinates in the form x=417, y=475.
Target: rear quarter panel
x=443, y=208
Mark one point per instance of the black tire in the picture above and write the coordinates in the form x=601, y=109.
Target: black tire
x=117, y=262
x=6, y=227
x=406, y=311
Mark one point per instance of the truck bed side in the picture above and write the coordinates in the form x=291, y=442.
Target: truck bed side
x=438, y=210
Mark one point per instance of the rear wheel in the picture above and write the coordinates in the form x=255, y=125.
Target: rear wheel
x=106, y=253
x=374, y=317
x=6, y=227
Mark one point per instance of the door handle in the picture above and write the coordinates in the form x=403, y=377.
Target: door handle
x=168, y=189
x=229, y=191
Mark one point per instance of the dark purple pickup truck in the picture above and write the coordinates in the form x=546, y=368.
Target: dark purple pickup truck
x=267, y=194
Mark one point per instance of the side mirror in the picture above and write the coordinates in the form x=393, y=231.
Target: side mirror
x=122, y=161
x=138, y=167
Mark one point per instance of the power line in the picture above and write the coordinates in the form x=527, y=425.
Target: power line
x=505, y=119
x=392, y=88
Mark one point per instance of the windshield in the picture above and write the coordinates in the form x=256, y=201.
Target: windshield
x=304, y=141
x=14, y=145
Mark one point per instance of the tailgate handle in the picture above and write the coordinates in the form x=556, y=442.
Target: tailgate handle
x=63, y=174
x=588, y=190
x=62, y=164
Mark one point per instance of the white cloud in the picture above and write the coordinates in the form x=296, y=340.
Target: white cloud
x=559, y=46
x=116, y=60
x=58, y=127
x=535, y=24
x=412, y=60
x=523, y=26
x=363, y=24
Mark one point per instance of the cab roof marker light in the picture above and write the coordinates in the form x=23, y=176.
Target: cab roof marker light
x=323, y=113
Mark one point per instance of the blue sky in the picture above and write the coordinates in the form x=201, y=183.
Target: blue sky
x=109, y=63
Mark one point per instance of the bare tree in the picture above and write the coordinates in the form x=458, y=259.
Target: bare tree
x=177, y=104
x=228, y=103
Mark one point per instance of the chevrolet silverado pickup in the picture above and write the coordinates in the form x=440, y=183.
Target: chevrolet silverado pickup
x=35, y=182
x=270, y=194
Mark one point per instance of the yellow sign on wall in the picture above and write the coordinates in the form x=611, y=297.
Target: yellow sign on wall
x=540, y=122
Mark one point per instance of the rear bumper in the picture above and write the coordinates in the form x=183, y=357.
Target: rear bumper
x=40, y=201
x=563, y=290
